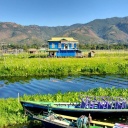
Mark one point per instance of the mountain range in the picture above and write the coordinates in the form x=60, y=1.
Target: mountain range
x=112, y=30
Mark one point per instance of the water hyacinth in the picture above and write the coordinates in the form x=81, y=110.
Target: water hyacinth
x=11, y=111
x=109, y=63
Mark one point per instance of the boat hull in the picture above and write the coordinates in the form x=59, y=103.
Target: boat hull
x=52, y=124
x=76, y=112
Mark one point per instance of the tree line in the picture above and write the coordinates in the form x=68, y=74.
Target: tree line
x=104, y=46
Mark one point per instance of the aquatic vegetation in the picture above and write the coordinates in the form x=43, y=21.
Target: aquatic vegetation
x=11, y=111
x=102, y=63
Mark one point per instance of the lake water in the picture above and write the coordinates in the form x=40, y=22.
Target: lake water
x=11, y=87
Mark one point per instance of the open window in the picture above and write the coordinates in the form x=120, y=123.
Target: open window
x=66, y=46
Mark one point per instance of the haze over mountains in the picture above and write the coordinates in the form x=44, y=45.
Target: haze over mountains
x=112, y=30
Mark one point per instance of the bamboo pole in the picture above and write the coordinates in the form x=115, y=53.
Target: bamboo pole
x=93, y=122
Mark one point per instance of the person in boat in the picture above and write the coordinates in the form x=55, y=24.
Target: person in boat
x=84, y=121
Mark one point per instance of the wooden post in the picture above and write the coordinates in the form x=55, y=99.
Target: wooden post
x=18, y=98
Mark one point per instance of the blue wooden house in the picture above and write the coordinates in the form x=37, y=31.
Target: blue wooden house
x=63, y=47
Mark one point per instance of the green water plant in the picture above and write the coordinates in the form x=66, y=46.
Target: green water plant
x=11, y=111
x=100, y=64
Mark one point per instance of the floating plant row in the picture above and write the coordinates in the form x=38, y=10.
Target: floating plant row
x=24, y=66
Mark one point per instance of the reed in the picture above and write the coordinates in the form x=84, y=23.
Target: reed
x=11, y=111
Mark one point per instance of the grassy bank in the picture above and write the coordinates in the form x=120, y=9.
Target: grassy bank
x=110, y=62
x=11, y=111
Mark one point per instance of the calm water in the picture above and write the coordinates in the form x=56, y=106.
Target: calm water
x=53, y=85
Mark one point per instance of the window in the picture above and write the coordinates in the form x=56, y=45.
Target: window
x=75, y=45
x=72, y=45
x=59, y=45
x=53, y=45
x=66, y=46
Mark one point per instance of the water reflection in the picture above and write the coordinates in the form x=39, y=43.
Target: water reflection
x=28, y=85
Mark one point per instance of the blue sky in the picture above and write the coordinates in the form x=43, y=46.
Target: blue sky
x=60, y=12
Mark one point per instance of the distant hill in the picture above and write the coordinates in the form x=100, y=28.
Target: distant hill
x=114, y=30
x=111, y=29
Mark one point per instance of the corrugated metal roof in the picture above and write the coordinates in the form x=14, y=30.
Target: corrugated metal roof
x=63, y=39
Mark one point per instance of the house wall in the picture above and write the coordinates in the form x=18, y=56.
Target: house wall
x=63, y=53
x=62, y=46
x=71, y=46
x=55, y=45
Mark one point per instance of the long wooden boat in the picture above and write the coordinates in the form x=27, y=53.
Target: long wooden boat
x=97, y=107
x=52, y=120
x=60, y=122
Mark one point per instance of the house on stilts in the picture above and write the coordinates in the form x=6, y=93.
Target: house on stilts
x=63, y=47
